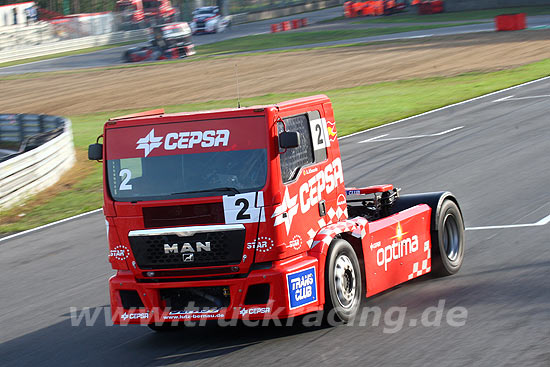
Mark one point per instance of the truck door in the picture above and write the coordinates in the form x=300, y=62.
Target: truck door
x=311, y=182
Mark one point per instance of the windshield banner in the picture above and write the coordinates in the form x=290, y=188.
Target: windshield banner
x=186, y=138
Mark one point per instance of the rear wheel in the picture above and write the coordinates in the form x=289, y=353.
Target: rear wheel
x=448, y=240
x=343, y=285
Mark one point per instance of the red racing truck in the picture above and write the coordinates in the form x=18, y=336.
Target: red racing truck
x=144, y=13
x=243, y=214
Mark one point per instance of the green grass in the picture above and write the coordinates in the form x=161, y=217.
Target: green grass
x=287, y=39
x=355, y=109
x=454, y=16
x=68, y=53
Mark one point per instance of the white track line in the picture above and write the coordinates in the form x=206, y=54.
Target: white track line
x=375, y=140
x=547, y=219
x=544, y=221
x=445, y=107
x=511, y=98
x=49, y=225
x=502, y=99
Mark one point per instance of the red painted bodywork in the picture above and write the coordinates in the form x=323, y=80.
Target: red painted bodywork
x=290, y=236
x=163, y=13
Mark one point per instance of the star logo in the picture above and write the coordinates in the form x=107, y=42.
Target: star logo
x=149, y=142
x=124, y=316
x=286, y=211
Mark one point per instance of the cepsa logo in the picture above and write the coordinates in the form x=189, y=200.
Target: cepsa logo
x=184, y=140
x=310, y=193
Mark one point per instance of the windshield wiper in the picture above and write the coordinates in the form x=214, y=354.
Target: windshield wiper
x=232, y=189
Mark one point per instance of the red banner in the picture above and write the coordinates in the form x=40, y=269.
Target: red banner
x=186, y=138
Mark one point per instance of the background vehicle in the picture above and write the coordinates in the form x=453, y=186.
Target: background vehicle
x=243, y=213
x=144, y=13
x=170, y=41
x=129, y=14
x=208, y=19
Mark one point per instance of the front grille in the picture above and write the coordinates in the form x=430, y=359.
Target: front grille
x=225, y=248
x=183, y=215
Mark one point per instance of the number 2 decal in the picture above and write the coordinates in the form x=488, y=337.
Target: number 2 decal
x=126, y=175
x=242, y=213
x=244, y=208
x=319, y=131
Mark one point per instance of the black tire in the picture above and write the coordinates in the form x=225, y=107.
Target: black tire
x=448, y=240
x=165, y=327
x=126, y=57
x=343, y=287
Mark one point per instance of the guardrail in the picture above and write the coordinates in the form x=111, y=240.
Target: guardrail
x=19, y=36
x=73, y=44
x=43, y=151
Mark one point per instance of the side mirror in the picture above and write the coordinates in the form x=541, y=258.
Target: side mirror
x=95, y=152
x=289, y=139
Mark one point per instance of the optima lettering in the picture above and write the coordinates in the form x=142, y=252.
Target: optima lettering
x=396, y=250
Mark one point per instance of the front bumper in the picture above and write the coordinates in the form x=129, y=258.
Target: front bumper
x=293, y=290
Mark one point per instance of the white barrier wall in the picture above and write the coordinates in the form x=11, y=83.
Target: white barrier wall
x=37, y=169
x=6, y=13
x=73, y=44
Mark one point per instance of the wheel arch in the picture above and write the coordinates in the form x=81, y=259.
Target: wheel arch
x=433, y=199
x=351, y=230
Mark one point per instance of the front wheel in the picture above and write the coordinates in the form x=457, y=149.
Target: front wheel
x=448, y=240
x=343, y=285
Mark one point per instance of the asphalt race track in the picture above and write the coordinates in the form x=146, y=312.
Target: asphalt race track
x=113, y=56
x=491, y=152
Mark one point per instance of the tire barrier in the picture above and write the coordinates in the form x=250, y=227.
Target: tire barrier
x=288, y=25
x=35, y=150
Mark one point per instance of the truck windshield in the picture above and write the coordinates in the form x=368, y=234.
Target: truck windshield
x=126, y=7
x=191, y=159
x=151, y=4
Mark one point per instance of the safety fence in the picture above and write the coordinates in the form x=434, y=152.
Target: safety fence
x=37, y=150
x=73, y=44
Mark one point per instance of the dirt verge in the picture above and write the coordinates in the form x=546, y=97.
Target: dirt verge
x=314, y=70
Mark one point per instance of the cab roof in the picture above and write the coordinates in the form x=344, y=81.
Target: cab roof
x=252, y=110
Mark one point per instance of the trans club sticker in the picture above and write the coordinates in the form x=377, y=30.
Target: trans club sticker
x=302, y=287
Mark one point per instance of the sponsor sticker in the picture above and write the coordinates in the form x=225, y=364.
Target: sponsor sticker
x=178, y=138
x=309, y=171
x=295, y=243
x=134, y=316
x=263, y=244
x=302, y=287
x=255, y=311
x=341, y=200
x=213, y=313
x=120, y=252
x=353, y=192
